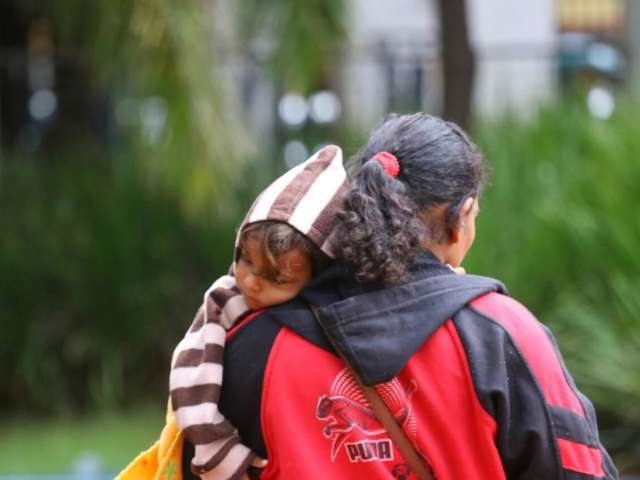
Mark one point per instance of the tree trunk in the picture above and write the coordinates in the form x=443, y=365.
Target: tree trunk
x=458, y=61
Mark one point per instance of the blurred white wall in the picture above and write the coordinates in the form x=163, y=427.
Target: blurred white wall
x=389, y=40
x=407, y=27
x=514, y=43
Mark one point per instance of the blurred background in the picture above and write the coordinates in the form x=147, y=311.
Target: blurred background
x=134, y=135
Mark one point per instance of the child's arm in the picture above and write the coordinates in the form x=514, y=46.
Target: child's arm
x=195, y=382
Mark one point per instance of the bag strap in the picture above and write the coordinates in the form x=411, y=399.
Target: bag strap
x=417, y=463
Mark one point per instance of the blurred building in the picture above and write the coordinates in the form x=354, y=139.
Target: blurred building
x=525, y=53
x=392, y=60
x=394, y=56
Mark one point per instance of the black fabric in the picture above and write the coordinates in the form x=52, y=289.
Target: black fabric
x=508, y=391
x=333, y=285
x=571, y=475
x=380, y=331
x=379, y=328
x=297, y=316
x=571, y=426
x=590, y=413
x=188, y=452
x=607, y=464
x=245, y=359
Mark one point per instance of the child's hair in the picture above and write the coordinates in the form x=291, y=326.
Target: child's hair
x=380, y=228
x=277, y=238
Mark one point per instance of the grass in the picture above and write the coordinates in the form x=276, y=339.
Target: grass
x=29, y=445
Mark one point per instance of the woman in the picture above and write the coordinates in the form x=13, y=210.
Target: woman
x=475, y=381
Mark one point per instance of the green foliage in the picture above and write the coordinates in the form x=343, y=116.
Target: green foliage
x=100, y=276
x=559, y=227
x=302, y=39
x=156, y=61
x=105, y=251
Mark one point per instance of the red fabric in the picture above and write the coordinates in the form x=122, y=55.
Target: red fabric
x=316, y=424
x=580, y=458
x=534, y=344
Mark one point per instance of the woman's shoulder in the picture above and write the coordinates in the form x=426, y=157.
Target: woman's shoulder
x=503, y=308
x=512, y=316
x=531, y=337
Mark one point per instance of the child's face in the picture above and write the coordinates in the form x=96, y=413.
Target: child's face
x=261, y=284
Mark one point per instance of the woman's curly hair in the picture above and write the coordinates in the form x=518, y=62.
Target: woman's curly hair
x=381, y=225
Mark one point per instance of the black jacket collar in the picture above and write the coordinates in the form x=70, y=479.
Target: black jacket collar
x=378, y=329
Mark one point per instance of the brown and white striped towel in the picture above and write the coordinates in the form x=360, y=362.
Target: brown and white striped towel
x=306, y=197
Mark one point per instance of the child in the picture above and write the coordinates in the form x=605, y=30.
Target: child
x=282, y=242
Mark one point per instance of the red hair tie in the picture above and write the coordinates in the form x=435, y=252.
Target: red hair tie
x=389, y=162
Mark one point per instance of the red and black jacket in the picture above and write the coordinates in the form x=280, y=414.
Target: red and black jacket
x=474, y=379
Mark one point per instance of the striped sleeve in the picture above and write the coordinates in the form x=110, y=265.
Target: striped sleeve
x=196, y=379
x=546, y=427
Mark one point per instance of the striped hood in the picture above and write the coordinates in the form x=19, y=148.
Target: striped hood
x=305, y=197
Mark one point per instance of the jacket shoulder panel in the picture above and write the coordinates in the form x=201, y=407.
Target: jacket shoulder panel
x=574, y=435
x=531, y=338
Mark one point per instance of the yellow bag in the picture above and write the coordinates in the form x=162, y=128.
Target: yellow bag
x=163, y=461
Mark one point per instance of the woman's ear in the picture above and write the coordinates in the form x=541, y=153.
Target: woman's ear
x=465, y=210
